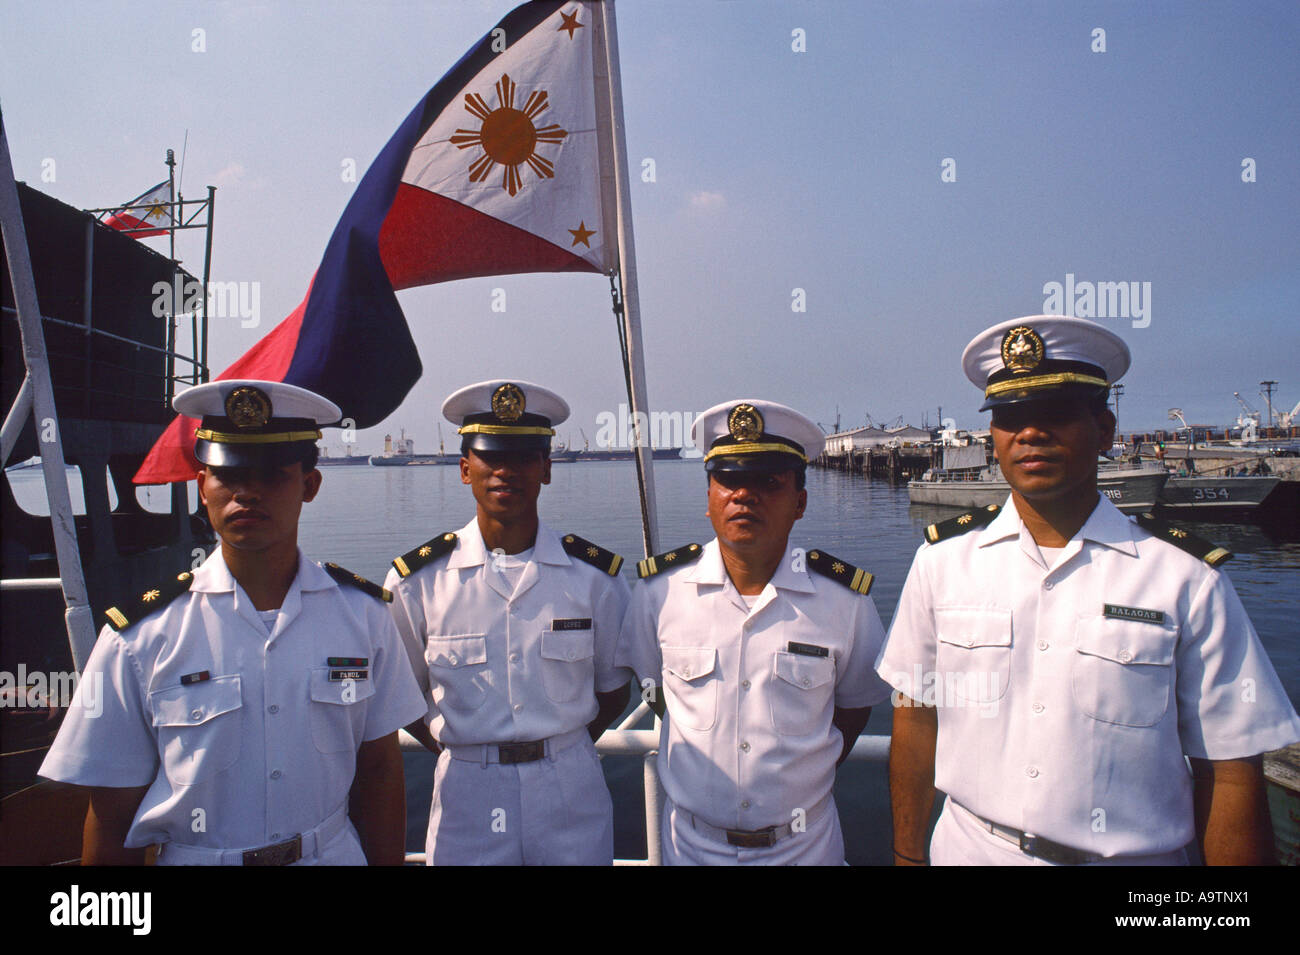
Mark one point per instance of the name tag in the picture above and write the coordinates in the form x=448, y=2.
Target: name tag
x=339, y=675
x=571, y=623
x=348, y=661
x=201, y=677
x=1133, y=613
x=807, y=649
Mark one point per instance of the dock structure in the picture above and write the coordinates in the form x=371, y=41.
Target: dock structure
x=897, y=455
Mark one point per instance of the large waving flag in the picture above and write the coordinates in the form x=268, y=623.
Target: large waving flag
x=503, y=167
x=149, y=213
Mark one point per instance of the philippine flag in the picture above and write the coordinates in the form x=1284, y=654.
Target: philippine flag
x=505, y=166
x=149, y=213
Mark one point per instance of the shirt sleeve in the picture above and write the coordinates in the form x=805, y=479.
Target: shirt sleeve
x=408, y=616
x=107, y=736
x=638, y=641
x=398, y=700
x=1231, y=703
x=610, y=611
x=909, y=649
x=858, y=685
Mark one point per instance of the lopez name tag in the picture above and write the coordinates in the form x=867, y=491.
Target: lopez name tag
x=806, y=649
x=571, y=623
x=1133, y=613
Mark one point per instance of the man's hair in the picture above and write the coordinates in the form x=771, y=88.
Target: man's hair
x=310, y=458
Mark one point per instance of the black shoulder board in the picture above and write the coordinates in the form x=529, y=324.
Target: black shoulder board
x=1198, y=547
x=121, y=617
x=855, y=578
x=955, y=526
x=666, y=561
x=598, y=557
x=344, y=576
x=426, y=553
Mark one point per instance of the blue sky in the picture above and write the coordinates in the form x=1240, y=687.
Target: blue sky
x=775, y=170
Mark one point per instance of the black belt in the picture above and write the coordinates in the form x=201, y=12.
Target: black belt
x=1037, y=846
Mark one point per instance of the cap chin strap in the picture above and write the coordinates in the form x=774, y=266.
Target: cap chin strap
x=1043, y=381
x=755, y=448
x=279, y=437
x=502, y=429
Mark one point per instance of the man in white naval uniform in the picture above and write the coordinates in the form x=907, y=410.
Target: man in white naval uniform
x=511, y=631
x=764, y=669
x=242, y=703
x=1055, y=661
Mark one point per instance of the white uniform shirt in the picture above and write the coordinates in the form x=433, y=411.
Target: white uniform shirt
x=501, y=664
x=266, y=745
x=748, y=738
x=1058, y=719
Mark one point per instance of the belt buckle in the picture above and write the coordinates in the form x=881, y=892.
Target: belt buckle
x=1042, y=848
x=752, y=839
x=282, y=853
x=509, y=753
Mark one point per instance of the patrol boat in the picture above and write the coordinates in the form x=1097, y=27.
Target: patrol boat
x=1131, y=488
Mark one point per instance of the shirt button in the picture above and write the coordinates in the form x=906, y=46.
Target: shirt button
x=1042, y=644
x=453, y=659
x=1125, y=655
x=572, y=655
x=745, y=804
x=514, y=658
x=273, y=708
x=275, y=774
x=744, y=684
x=686, y=671
x=1048, y=585
x=518, y=707
x=805, y=681
x=1031, y=772
x=1037, y=707
x=196, y=714
x=744, y=747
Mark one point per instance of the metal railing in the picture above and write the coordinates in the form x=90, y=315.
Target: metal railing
x=624, y=740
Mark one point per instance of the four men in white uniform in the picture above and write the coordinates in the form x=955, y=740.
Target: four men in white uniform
x=511, y=630
x=1055, y=661
x=763, y=656
x=241, y=703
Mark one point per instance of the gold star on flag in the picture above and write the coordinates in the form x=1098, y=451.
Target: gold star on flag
x=570, y=23
x=582, y=234
x=150, y=595
x=155, y=211
x=508, y=136
x=426, y=550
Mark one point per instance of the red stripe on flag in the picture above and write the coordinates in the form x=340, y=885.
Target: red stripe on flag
x=428, y=238
x=172, y=457
x=124, y=220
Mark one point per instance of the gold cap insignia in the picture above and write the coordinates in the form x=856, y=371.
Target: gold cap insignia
x=248, y=407
x=1022, y=349
x=745, y=422
x=508, y=403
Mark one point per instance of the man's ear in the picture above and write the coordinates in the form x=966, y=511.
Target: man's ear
x=546, y=468
x=464, y=468
x=803, y=503
x=200, y=478
x=1106, y=422
x=311, y=484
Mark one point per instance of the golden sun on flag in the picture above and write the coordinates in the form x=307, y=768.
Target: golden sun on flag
x=508, y=136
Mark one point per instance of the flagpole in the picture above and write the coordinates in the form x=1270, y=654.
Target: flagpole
x=634, y=354
x=176, y=295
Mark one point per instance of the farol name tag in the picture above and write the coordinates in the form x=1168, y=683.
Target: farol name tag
x=340, y=675
x=1116, y=612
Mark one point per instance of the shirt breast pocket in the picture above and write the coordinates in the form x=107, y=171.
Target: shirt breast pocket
x=458, y=677
x=801, y=692
x=567, y=666
x=337, y=720
x=1122, y=669
x=691, y=686
x=973, y=656
x=199, y=728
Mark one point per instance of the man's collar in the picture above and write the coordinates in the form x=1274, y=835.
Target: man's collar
x=471, y=551
x=214, y=577
x=710, y=569
x=1106, y=525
